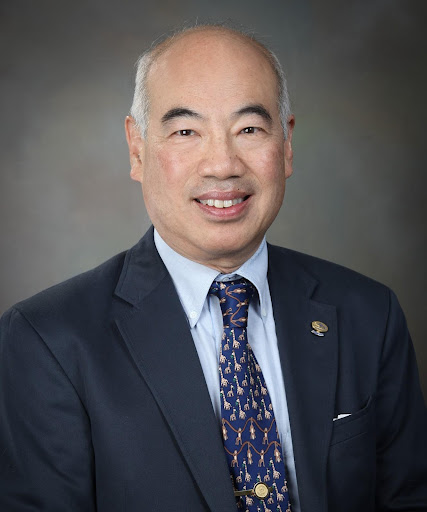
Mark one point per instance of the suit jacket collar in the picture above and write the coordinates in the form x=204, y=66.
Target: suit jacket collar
x=309, y=365
x=142, y=271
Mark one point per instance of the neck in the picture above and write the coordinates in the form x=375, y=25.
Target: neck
x=222, y=263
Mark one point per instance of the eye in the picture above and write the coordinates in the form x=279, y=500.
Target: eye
x=185, y=133
x=250, y=130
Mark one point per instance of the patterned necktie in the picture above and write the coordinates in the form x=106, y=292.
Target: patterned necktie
x=251, y=438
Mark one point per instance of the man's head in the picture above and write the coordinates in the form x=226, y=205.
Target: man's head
x=212, y=131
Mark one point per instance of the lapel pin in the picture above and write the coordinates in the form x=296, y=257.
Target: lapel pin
x=319, y=328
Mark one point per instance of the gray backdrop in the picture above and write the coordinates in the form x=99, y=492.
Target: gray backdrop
x=357, y=76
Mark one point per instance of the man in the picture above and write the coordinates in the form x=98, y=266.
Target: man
x=110, y=393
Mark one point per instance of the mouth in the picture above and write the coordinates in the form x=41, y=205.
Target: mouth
x=222, y=203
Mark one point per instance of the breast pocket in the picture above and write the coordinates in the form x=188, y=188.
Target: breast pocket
x=353, y=425
x=352, y=461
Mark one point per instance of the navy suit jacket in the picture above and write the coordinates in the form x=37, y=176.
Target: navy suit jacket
x=104, y=406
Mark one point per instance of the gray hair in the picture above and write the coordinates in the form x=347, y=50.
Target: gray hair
x=140, y=104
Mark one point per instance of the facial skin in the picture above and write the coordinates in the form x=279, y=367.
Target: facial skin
x=213, y=133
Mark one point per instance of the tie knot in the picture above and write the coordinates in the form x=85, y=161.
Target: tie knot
x=234, y=297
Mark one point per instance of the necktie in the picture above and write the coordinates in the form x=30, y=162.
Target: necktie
x=250, y=435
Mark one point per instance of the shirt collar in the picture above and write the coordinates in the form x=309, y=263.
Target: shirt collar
x=193, y=280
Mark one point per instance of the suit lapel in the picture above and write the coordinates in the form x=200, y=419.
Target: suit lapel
x=157, y=334
x=309, y=365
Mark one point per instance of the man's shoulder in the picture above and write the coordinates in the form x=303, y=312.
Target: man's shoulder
x=74, y=313
x=333, y=282
x=94, y=288
x=78, y=295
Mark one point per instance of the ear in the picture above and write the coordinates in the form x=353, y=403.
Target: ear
x=288, y=147
x=136, y=148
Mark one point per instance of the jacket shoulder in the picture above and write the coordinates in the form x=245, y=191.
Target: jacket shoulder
x=334, y=283
x=77, y=296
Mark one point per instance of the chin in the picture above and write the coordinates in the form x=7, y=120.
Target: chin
x=228, y=249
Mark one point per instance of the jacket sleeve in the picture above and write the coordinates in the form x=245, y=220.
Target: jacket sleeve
x=401, y=422
x=46, y=456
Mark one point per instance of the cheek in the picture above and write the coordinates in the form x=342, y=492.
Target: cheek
x=168, y=165
x=162, y=171
x=272, y=181
x=271, y=168
x=166, y=182
x=171, y=171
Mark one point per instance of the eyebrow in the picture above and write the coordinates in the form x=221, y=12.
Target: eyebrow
x=254, y=109
x=177, y=112
x=173, y=113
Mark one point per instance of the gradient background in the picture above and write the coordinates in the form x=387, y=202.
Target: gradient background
x=358, y=79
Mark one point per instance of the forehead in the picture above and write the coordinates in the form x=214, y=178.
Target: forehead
x=213, y=66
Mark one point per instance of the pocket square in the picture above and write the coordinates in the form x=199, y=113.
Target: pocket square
x=341, y=416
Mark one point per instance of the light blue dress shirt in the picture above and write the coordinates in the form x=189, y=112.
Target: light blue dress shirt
x=192, y=282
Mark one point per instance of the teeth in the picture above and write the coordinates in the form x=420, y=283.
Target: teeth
x=218, y=203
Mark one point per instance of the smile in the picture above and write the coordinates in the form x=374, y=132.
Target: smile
x=218, y=203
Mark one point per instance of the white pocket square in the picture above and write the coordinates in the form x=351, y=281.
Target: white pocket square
x=341, y=416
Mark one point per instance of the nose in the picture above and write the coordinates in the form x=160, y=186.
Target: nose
x=220, y=159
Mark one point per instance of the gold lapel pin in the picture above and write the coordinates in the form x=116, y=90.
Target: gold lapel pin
x=319, y=328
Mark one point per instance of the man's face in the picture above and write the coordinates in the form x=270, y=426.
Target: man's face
x=214, y=160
